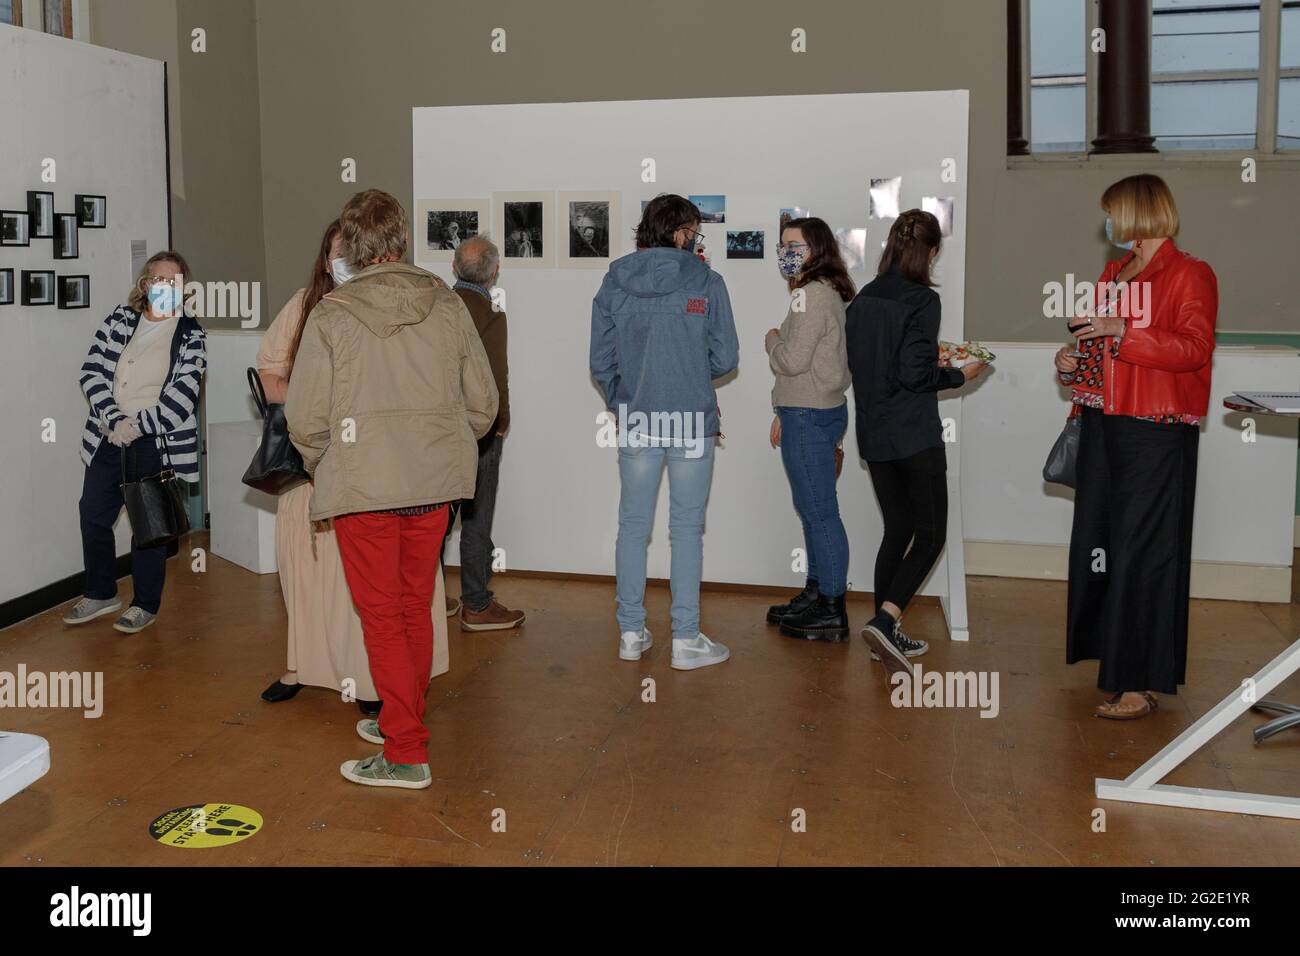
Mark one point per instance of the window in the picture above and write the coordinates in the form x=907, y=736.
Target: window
x=1058, y=82
x=57, y=17
x=11, y=12
x=1288, y=100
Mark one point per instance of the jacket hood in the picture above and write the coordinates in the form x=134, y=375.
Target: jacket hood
x=653, y=272
x=387, y=296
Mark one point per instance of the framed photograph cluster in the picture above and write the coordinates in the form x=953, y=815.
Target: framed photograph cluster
x=41, y=220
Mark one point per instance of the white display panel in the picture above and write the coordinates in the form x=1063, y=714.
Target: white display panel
x=558, y=501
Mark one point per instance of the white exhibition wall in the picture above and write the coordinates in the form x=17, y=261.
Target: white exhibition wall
x=558, y=503
x=98, y=116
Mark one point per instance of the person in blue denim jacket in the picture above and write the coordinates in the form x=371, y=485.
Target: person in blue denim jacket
x=661, y=332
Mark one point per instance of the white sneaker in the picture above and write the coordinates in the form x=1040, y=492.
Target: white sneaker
x=631, y=644
x=701, y=652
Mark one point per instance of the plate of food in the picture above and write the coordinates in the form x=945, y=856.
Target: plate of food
x=957, y=354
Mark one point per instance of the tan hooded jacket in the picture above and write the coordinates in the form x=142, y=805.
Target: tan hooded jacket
x=391, y=389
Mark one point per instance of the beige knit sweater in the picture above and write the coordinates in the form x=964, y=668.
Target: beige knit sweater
x=809, y=357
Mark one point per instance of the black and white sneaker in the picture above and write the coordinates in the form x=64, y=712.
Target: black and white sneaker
x=909, y=646
x=879, y=635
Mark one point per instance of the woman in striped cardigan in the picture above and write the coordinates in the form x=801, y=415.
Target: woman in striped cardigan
x=142, y=378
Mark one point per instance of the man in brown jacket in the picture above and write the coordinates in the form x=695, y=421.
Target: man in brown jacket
x=477, y=265
x=390, y=392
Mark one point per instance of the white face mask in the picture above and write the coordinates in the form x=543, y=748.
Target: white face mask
x=341, y=270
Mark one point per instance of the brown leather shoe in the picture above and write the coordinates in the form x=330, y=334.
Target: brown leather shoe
x=453, y=607
x=494, y=617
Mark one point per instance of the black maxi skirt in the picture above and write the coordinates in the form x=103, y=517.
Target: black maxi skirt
x=1131, y=551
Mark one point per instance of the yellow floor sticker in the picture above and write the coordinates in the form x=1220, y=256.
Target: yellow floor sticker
x=206, y=825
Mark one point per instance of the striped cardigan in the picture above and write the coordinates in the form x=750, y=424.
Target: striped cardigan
x=173, y=416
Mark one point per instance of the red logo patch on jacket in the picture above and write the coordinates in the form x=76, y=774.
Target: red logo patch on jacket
x=697, y=306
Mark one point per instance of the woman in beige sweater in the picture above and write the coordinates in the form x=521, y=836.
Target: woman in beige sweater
x=807, y=355
x=325, y=640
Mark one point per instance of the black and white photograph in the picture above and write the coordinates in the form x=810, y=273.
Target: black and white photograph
x=941, y=208
x=66, y=239
x=522, y=229
x=92, y=211
x=589, y=224
x=589, y=230
x=885, y=195
x=441, y=225
x=15, y=228
x=40, y=207
x=74, y=292
x=38, y=287
x=745, y=244
x=6, y=286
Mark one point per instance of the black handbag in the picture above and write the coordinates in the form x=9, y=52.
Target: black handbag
x=1063, y=459
x=277, y=465
x=155, y=504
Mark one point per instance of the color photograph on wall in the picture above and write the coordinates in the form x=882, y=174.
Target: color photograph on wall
x=788, y=213
x=745, y=244
x=712, y=207
x=522, y=227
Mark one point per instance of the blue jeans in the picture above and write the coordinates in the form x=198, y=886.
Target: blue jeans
x=688, y=494
x=808, y=440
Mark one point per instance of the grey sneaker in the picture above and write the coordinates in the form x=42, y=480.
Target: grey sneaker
x=377, y=772
x=135, y=620
x=632, y=644
x=368, y=730
x=910, y=646
x=87, y=609
x=700, y=652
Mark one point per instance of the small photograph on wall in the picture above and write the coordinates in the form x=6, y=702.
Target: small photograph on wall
x=65, y=236
x=884, y=198
x=92, y=211
x=713, y=208
x=38, y=287
x=40, y=209
x=590, y=229
x=74, y=292
x=15, y=228
x=941, y=208
x=853, y=247
x=522, y=223
x=747, y=244
x=441, y=225
x=6, y=286
x=788, y=213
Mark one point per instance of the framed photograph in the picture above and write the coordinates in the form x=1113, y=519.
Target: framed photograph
x=747, y=244
x=6, y=286
x=884, y=201
x=588, y=233
x=788, y=213
x=443, y=224
x=92, y=211
x=15, y=227
x=853, y=247
x=40, y=209
x=713, y=208
x=74, y=292
x=941, y=208
x=38, y=287
x=522, y=223
x=65, y=235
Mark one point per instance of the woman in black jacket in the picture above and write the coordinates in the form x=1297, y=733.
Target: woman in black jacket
x=892, y=333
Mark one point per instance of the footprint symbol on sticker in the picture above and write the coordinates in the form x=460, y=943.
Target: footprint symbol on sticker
x=232, y=827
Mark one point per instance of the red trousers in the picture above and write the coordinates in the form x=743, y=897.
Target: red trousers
x=391, y=564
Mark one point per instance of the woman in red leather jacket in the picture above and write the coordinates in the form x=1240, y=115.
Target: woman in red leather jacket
x=1140, y=382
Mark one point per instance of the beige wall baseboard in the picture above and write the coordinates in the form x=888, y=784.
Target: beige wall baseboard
x=1217, y=581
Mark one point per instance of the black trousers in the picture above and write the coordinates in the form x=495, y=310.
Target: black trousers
x=101, y=503
x=1131, y=551
x=913, y=496
x=476, y=527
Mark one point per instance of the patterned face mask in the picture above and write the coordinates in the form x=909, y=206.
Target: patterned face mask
x=790, y=260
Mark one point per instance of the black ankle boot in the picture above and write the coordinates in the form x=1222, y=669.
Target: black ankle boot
x=797, y=603
x=823, y=620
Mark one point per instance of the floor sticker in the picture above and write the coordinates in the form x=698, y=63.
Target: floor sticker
x=206, y=825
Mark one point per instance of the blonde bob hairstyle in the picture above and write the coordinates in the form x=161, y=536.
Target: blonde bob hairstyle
x=372, y=226
x=1141, y=207
x=138, y=300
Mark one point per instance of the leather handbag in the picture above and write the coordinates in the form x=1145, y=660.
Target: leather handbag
x=1063, y=459
x=277, y=466
x=155, y=504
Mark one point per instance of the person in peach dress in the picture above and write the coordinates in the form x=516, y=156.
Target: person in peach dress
x=325, y=641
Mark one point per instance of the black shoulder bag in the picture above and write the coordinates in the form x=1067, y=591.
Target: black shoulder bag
x=155, y=504
x=277, y=466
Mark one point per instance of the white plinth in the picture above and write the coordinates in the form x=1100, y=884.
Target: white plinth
x=243, y=519
x=24, y=759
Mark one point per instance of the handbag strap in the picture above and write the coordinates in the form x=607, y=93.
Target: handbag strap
x=166, y=457
x=259, y=392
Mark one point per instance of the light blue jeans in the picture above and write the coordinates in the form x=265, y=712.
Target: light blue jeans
x=688, y=494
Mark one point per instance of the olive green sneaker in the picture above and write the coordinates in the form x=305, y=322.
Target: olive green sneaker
x=88, y=609
x=377, y=772
x=368, y=730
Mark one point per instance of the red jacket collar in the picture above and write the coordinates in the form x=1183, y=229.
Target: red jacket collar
x=1163, y=257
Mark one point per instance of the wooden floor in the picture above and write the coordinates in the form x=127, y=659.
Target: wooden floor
x=548, y=725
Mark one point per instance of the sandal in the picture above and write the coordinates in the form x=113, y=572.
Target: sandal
x=1108, y=711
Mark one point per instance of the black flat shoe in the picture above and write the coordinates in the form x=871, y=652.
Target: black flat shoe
x=823, y=620
x=278, y=692
x=800, y=602
x=370, y=708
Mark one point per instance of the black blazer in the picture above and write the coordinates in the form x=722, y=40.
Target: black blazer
x=892, y=334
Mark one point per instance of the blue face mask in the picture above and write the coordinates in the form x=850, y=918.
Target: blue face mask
x=1110, y=235
x=164, y=299
x=790, y=262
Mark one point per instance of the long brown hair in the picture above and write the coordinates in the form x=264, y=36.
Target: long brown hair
x=322, y=282
x=824, y=260
x=912, y=238
x=138, y=300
